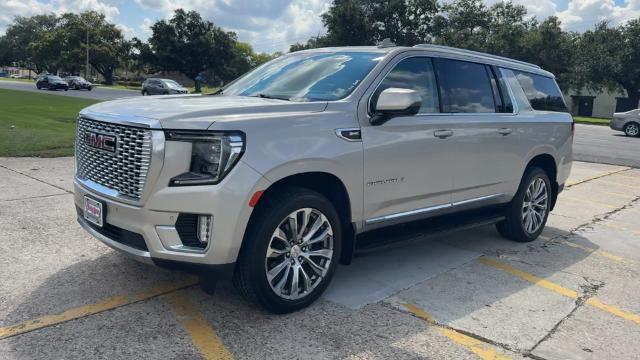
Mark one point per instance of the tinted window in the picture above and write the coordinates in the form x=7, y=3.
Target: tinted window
x=464, y=87
x=542, y=92
x=315, y=76
x=416, y=74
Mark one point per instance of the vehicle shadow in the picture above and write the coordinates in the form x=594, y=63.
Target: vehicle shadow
x=324, y=330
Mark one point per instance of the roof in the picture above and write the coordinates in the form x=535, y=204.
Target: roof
x=446, y=51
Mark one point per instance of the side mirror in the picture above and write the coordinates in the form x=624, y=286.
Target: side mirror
x=395, y=102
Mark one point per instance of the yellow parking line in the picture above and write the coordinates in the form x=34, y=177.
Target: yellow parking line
x=572, y=183
x=203, y=336
x=632, y=187
x=559, y=289
x=91, y=309
x=483, y=350
x=589, y=202
x=621, y=228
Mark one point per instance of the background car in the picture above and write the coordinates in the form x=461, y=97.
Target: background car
x=51, y=82
x=628, y=122
x=78, y=83
x=153, y=86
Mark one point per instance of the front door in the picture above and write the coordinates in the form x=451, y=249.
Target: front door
x=406, y=165
x=585, y=105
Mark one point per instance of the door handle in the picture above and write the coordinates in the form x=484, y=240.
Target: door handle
x=443, y=134
x=505, y=131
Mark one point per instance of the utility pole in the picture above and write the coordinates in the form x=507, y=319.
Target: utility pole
x=86, y=68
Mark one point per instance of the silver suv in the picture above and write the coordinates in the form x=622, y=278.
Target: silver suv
x=272, y=179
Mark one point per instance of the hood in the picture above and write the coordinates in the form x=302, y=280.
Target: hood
x=196, y=112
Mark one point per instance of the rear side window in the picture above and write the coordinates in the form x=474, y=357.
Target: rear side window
x=414, y=73
x=465, y=87
x=543, y=92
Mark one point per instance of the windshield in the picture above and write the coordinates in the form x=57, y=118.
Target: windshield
x=172, y=84
x=54, y=78
x=318, y=76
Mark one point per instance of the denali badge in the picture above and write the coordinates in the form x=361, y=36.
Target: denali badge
x=99, y=141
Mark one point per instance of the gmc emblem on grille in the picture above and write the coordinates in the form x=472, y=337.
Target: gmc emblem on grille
x=99, y=141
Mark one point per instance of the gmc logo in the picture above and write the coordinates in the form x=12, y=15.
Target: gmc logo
x=100, y=141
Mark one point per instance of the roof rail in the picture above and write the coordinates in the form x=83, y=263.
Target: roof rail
x=476, y=53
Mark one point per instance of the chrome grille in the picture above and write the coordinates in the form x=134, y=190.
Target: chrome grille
x=125, y=170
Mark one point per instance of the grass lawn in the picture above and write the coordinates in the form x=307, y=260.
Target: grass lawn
x=34, y=124
x=591, y=120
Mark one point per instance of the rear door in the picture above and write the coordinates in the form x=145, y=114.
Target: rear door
x=485, y=147
x=406, y=166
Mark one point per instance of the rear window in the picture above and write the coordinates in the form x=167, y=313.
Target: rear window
x=465, y=87
x=543, y=92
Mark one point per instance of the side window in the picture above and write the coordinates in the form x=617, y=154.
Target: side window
x=543, y=92
x=414, y=73
x=465, y=87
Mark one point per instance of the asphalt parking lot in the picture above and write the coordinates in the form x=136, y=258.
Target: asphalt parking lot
x=573, y=294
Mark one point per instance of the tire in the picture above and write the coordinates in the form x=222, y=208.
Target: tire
x=89, y=88
x=632, y=129
x=144, y=92
x=251, y=277
x=526, y=217
x=66, y=89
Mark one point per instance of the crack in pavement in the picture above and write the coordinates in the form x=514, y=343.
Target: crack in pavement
x=36, y=179
x=588, y=291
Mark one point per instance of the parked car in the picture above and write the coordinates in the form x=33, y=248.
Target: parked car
x=273, y=179
x=153, y=86
x=629, y=122
x=51, y=82
x=78, y=83
x=16, y=76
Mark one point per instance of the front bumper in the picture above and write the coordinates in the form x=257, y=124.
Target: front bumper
x=154, y=220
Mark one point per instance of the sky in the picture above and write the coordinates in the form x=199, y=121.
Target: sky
x=272, y=25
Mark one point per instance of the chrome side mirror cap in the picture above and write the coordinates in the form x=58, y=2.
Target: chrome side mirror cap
x=395, y=102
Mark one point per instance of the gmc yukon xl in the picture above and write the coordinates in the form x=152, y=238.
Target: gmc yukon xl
x=271, y=180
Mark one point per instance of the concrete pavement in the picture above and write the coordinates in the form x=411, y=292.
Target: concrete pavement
x=97, y=93
x=466, y=295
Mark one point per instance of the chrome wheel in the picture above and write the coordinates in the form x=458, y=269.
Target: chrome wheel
x=534, y=207
x=632, y=129
x=299, y=254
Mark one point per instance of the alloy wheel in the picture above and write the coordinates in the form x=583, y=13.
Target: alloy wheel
x=535, y=205
x=632, y=129
x=299, y=254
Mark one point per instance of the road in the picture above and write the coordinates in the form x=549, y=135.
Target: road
x=98, y=93
x=603, y=145
x=573, y=294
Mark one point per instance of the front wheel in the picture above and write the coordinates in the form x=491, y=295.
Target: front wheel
x=632, y=129
x=527, y=213
x=291, y=252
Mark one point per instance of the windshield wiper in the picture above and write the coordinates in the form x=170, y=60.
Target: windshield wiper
x=271, y=96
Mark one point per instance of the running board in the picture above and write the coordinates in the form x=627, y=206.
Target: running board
x=402, y=234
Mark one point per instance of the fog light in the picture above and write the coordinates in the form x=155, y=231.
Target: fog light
x=204, y=229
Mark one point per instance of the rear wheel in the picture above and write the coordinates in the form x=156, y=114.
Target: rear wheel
x=632, y=129
x=527, y=213
x=291, y=251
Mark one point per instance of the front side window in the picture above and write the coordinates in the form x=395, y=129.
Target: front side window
x=465, y=87
x=316, y=76
x=543, y=92
x=417, y=74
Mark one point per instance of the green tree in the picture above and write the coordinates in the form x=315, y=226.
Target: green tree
x=191, y=45
x=609, y=57
x=23, y=32
x=464, y=24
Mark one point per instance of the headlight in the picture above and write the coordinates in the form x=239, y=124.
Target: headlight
x=213, y=155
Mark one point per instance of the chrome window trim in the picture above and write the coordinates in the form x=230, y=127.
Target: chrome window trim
x=516, y=109
x=430, y=209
